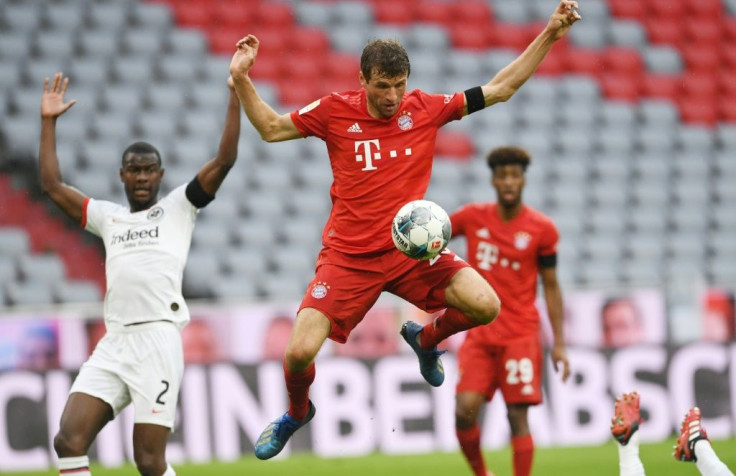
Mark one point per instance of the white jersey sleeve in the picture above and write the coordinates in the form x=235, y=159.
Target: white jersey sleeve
x=146, y=253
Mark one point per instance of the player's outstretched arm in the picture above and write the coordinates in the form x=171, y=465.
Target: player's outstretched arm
x=69, y=199
x=553, y=299
x=214, y=172
x=272, y=126
x=507, y=81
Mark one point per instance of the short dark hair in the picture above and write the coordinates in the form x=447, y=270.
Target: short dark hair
x=387, y=57
x=141, y=148
x=508, y=156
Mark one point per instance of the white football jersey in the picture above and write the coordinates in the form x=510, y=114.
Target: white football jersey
x=146, y=253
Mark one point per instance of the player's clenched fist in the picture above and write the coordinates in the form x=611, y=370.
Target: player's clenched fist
x=563, y=17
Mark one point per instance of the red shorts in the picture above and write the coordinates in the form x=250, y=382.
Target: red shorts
x=515, y=368
x=345, y=286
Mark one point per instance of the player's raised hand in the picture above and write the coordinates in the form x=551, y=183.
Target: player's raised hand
x=52, y=99
x=231, y=83
x=559, y=359
x=563, y=17
x=244, y=57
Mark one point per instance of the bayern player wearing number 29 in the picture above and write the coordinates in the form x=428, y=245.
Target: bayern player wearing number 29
x=510, y=244
x=380, y=142
x=140, y=358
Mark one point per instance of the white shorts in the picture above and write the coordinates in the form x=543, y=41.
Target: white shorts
x=143, y=364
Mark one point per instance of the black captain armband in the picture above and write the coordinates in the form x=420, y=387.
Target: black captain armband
x=196, y=194
x=549, y=261
x=475, y=100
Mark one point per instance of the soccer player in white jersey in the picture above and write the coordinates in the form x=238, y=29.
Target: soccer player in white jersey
x=140, y=358
x=692, y=445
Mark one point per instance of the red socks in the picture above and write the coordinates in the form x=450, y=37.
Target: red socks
x=523, y=454
x=297, y=384
x=469, y=439
x=446, y=324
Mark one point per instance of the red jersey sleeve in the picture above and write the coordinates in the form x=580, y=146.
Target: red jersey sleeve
x=312, y=119
x=443, y=107
x=549, y=239
x=458, y=221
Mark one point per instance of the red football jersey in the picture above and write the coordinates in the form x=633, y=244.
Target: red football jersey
x=378, y=165
x=506, y=254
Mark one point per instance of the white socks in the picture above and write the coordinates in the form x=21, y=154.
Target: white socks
x=708, y=462
x=79, y=466
x=75, y=466
x=629, y=463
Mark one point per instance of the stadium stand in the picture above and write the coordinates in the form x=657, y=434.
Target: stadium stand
x=632, y=122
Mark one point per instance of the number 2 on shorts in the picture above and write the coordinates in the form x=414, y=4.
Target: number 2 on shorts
x=166, y=389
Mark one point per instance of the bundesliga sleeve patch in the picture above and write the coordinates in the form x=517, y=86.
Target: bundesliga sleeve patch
x=309, y=107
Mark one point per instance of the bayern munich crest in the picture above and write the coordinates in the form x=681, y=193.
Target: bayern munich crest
x=521, y=240
x=319, y=290
x=405, y=122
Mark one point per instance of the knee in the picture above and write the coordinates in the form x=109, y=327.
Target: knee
x=488, y=309
x=150, y=464
x=68, y=445
x=298, y=357
x=464, y=418
x=466, y=415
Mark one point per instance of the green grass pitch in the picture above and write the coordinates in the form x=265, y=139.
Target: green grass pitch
x=582, y=461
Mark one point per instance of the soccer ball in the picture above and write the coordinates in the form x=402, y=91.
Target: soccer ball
x=421, y=229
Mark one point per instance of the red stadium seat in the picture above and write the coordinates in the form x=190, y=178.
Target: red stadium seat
x=703, y=11
x=628, y=9
x=699, y=110
x=728, y=27
x=554, y=63
x=728, y=57
x=342, y=66
x=470, y=36
x=706, y=33
x=267, y=67
x=700, y=85
x=661, y=86
x=194, y=14
x=303, y=66
x=272, y=41
x=699, y=57
x=432, y=11
x=222, y=40
x=506, y=35
x=584, y=61
x=622, y=60
x=233, y=13
x=726, y=83
x=296, y=94
x=471, y=12
x=665, y=31
x=310, y=40
x=727, y=108
x=391, y=11
x=274, y=14
x=666, y=9
x=454, y=144
x=620, y=87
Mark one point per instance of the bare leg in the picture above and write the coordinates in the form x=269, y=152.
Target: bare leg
x=149, y=448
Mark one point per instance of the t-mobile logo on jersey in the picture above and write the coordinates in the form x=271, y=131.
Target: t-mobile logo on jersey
x=369, y=150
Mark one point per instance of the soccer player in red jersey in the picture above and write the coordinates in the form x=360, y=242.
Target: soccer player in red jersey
x=510, y=244
x=380, y=140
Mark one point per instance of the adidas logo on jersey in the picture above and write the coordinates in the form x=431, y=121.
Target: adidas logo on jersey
x=355, y=128
x=483, y=233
